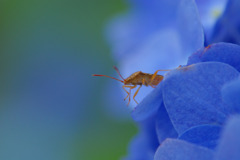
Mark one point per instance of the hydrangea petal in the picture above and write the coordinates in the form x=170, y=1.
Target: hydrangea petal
x=231, y=95
x=138, y=149
x=145, y=143
x=130, y=30
x=229, y=146
x=164, y=127
x=127, y=31
x=210, y=11
x=203, y=135
x=192, y=94
x=161, y=12
x=220, y=52
x=189, y=27
x=149, y=106
x=174, y=149
x=227, y=27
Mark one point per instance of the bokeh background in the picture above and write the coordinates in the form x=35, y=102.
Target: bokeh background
x=51, y=108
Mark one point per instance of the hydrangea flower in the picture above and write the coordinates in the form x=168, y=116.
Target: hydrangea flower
x=193, y=102
x=194, y=113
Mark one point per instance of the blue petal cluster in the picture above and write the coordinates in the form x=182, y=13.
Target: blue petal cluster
x=192, y=105
x=194, y=113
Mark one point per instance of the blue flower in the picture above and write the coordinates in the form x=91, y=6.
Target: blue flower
x=193, y=103
x=190, y=115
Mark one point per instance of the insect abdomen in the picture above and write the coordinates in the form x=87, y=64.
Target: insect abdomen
x=157, y=80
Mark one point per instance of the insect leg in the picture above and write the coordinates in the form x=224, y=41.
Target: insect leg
x=143, y=82
x=125, y=91
x=131, y=87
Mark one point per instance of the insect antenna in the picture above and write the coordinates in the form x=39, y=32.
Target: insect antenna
x=107, y=76
x=118, y=72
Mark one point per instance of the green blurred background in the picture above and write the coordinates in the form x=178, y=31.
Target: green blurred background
x=51, y=107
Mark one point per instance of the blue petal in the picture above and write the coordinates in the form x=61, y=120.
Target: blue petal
x=220, y=52
x=139, y=149
x=174, y=149
x=227, y=27
x=189, y=27
x=145, y=143
x=129, y=31
x=229, y=146
x=210, y=11
x=162, y=12
x=149, y=106
x=231, y=95
x=164, y=127
x=192, y=94
x=203, y=135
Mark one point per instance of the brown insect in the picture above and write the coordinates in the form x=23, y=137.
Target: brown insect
x=135, y=79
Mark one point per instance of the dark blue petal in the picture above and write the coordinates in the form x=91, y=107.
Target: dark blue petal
x=149, y=105
x=231, y=95
x=220, y=52
x=227, y=28
x=174, y=149
x=192, y=94
x=229, y=146
x=203, y=135
x=164, y=127
x=210, y=11
x=139, y=149
x=144, y=144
